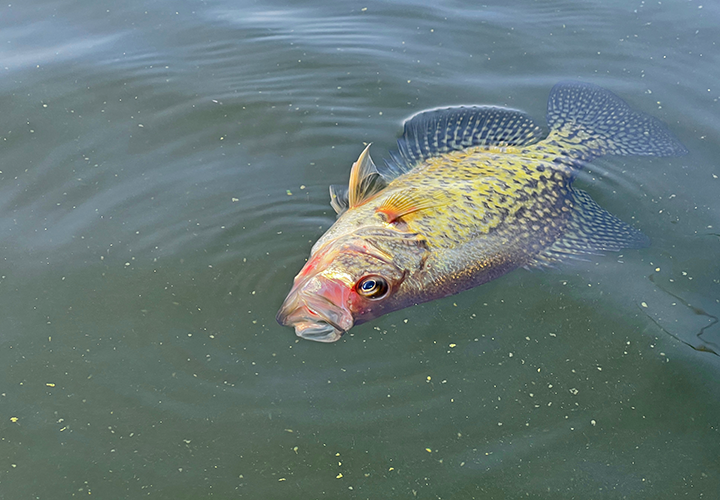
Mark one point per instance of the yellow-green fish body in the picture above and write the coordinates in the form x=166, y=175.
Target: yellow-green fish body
x=473, y=193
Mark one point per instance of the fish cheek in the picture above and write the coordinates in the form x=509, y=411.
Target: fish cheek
x=364, y=309
x=360, y=308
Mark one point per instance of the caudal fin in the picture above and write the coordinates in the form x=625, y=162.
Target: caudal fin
x=590, y=122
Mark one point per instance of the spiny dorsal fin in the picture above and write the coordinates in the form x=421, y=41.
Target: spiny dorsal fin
x=339, y=198
x=432, y=133
x=591, y=231
x=365, y=180
x=610, y=126
x=403, y=203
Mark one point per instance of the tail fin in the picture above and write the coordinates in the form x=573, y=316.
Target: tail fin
x=591, y=122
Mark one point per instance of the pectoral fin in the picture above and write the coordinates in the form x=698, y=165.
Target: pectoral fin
x=403, y=203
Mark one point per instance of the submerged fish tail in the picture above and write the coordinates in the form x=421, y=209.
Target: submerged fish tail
x=587, y=121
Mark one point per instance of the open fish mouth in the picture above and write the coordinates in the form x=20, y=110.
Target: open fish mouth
x=310, y=324
x=314, y=315
x=319, y=331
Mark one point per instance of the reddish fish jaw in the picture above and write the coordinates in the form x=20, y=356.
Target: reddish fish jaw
x=317, y=308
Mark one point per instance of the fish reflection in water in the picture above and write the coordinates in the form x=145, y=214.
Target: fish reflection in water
x=471, y=194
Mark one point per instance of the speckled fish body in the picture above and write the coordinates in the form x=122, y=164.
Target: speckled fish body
x=472, y=193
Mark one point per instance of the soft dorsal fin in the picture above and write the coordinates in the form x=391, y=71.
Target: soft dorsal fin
x=365, y=180
x=403, y=203
x=591, y=231
x=432, y=133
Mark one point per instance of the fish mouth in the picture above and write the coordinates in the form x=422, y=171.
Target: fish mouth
x=313, y=309
x=319, y=331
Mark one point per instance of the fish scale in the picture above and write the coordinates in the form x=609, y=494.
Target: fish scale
x=490, y=191
x=472, y=193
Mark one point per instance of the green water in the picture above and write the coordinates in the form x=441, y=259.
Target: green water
x=164, y=174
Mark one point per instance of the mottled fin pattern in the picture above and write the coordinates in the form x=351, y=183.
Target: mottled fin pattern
x=589, y=121
x=591, y=231
x=435, y=132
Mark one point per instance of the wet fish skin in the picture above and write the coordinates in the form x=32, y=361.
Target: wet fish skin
x=473, y=193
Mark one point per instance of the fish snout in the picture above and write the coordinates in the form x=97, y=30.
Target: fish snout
x=317, y=309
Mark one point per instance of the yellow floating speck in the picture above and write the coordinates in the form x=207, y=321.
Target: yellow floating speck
x=453, y=345
x=339, y=476
x=50, y=384
x=281, y=479
x=428, y=450
x=14, y=419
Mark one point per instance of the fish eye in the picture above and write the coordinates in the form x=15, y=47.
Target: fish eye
x=372, y=287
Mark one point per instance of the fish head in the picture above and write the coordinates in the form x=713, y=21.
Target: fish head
x=350, y=280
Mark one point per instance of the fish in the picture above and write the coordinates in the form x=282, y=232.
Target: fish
x=471, y=194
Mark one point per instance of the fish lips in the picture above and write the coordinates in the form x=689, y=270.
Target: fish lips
x=316, y=308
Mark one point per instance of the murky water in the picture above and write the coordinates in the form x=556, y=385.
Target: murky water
x=164, y=173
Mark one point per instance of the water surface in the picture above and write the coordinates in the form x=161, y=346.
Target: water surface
x=164, y=174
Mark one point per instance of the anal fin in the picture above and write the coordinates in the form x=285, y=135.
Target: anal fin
x=592, y=230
